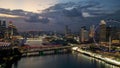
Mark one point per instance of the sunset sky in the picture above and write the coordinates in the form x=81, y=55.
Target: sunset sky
x=55, y=14
x=39, y=5
x=30, y=5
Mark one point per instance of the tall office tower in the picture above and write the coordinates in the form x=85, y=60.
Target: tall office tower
x=102, y=31
x=4, y=24
x=66, y=30
x=3, y=28
x=68, y=33
x=91, y=34
x=15, y=32
x=12, y=30
x=0, y=25
x=84, y=35
x=0, y=29
x=108, y=32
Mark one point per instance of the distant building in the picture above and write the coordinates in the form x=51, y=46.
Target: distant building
x=108, y=33
x=68, y=32
x=102, y=31
x=7, y=32
x=84, y=35
x=11, y=30
x=5, y=45
x=91, y=33
x=2, y=28
x=113, y=32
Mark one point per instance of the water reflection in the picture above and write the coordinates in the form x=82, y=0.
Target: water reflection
x=74, y=60
x=15, y=64
x=98, y=63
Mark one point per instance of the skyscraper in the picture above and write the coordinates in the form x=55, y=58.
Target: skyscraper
x=0, y=23
x=12, y=30
x=4, y=24
x=102, y=31
x=91, y=33
x=2, y=28
x=66, y=30
x=84, y=35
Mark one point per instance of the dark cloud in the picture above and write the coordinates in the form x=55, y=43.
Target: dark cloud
x=32, y=17
x=72, y=9
x=19, y=12
x=114, y=16
x=60, y=6
x=6, y=11
x=73, y=13
x=37, y=19
x=90, y=4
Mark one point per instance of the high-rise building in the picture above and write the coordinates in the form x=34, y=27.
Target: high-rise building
x=68, y=33
x=66, y=30
x=113, y=32
x=92, y=30
x=7, y=32
x=84, y=34
x=102, y=31
x=2, y=28
x=0, y=23
x=4, y=24
x=11, y=30
x=108, y=32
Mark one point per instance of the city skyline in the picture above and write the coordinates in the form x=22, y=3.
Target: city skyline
x=55, y=14
x=59, y=33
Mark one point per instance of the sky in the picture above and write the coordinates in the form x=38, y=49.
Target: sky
x=39, y=5
x=55, y=14
x=29, y=5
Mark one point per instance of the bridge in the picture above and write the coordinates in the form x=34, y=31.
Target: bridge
x=47, y=50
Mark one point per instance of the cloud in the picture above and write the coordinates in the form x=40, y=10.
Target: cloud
x=37, y=19
x=72, y=13
x=60, y=6
x=75, y=15
x=18, y=12
x=10, y=16
x=89, y=4
x=72, y=9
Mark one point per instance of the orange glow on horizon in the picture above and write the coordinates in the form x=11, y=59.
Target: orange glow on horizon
x=36, y=6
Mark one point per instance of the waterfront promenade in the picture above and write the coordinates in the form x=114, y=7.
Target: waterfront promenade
x=97, y=56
